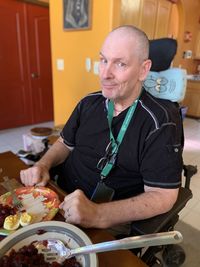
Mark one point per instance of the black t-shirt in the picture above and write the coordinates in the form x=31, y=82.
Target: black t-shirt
x=150, y=153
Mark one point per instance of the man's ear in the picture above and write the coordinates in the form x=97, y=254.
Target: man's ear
x=144, y=69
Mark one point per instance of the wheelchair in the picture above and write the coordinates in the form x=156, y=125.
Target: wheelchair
x=173, y=255
x=162, y=52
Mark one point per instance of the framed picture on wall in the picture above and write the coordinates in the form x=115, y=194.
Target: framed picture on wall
x=76, y=14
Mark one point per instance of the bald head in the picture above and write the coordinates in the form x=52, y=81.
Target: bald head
x=124, y=64
x=135, y=36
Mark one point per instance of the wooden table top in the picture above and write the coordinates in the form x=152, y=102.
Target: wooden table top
x=12, y=165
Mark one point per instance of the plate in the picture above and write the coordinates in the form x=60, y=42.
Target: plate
x=41, y=202
x=71, y=235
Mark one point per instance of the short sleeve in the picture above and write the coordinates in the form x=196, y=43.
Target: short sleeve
x=162, y=158
x=69, y=131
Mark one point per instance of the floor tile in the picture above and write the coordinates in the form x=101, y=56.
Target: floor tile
x=191, y=155
x=196, y=208
x=193, y=219
x=184, y=212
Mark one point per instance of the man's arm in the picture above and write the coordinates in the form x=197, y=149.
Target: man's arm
x=152, y=202
x=56, y=154
x=39, y=173
x=79, y=210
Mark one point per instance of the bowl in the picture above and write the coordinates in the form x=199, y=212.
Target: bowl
x=41, y=131
x=71, y=235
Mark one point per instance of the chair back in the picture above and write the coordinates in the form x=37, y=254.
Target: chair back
x=168, y=84
x=162, y=52
x=163, y=81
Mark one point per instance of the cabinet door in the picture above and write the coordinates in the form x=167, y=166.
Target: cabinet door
x=197, y=48
x=162, y=19
x=173, y=22
x=152, y=16
x=191, y=101
x=148, y=16
x=130, y=12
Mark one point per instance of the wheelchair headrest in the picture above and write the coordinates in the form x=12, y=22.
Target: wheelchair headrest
x=169, y=84
x=161, y=81
x=162, y=52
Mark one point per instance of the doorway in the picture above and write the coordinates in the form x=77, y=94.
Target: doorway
x=25, y=65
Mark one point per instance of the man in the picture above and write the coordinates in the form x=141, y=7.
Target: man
x=145, y=165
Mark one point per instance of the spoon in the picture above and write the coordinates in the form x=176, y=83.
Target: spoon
x=55, y=250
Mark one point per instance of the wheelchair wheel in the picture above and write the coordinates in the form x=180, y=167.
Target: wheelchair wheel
x=173, y=256
x=157, y=263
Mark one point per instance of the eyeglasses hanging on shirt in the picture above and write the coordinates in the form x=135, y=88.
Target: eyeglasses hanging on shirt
x=102, y=192
x=109, y=156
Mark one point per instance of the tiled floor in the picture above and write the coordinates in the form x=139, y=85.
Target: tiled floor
x=11, y=139
x=191, y=213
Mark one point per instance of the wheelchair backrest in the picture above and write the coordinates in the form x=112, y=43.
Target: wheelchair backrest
x=168, y=84
x=163, y=81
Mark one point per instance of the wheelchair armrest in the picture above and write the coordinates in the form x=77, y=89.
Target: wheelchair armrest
x=159, y=222
x=189, y=171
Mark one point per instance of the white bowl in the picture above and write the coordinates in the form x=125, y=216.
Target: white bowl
x=69, y=234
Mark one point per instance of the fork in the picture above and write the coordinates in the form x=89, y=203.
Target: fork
x=55, y=250
x=15, y=200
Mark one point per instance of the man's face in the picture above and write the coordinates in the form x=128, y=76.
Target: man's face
x=120, y=69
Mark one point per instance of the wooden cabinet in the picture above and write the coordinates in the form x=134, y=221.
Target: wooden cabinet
x=197, y=47
x=192, y=99
x=162, y=19
x=152, y=16
x=148, y=17
x=130, y=12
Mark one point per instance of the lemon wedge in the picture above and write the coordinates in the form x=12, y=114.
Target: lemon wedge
x=11, y=222
x=25, y=218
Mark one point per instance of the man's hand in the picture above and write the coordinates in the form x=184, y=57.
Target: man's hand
x=78, y=209
x=36, y=175
x=39, y=173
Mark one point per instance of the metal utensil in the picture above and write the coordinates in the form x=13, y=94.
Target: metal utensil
x=55, y=250
x=15, y=200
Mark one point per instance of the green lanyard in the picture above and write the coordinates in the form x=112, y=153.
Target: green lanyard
x=116, y=143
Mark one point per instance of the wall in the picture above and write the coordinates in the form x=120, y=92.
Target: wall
x=74, y=47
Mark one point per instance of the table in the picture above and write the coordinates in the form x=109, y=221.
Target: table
x=12, y=165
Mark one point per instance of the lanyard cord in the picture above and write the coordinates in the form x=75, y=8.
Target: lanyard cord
x=116, y=143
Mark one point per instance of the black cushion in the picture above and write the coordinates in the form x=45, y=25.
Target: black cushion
x=162, y=52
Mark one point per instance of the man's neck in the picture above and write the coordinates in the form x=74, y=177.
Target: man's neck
x=122, y=104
